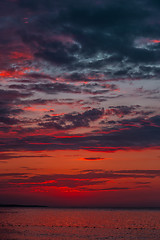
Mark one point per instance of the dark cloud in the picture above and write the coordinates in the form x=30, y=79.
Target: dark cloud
x=62, y=45
x=14, y=175
x=58, y=57
x=12, y=95
x=85, y=178
x=124, y=111
x=34, y=5
x=142, y=183
x=49, y=88
x=58, y=33
x=8, y=109
x=140, y=135
x=7, y=156
x=154, y=172
x=58, y=87
x=72, y=120
x=107, y=189
x=93, y=158
x=100, y=98
x=37, y=76
x=108, y=34
x=9, y=121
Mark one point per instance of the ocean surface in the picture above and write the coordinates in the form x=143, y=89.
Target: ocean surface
x=58, y=224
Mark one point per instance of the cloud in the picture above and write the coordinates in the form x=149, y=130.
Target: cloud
x=8, y=156
x=60, y=52
x=73, y=120
x=142, y=183
x=141, y=135
x=12, y=95
x=93, y=158
x=87, y=180
x=9, y=121
x=92, y=175
x=59, y=87
x=107, y=189
x=91, y=42
x=14, y=175
x=58, y=34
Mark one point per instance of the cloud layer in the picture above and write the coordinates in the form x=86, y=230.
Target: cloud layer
x=79, y=76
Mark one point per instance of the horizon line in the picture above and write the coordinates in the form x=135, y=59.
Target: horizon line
x=79, y=207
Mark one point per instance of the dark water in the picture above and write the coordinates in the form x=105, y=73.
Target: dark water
x=48, y=223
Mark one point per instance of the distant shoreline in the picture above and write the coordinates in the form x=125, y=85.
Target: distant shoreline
x=23, y=206
x=61, y=207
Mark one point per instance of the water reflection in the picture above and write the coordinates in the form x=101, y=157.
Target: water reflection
x=42, y=223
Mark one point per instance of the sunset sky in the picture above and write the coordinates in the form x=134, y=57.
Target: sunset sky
x=80, y=102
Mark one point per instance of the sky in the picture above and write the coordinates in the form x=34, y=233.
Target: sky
x=79, y=103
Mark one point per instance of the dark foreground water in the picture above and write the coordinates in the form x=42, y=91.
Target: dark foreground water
x=49, y=223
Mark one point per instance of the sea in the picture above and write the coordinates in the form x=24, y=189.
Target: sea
x=40, y=223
